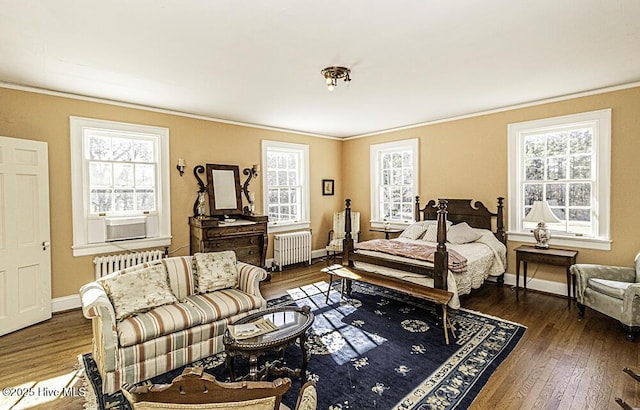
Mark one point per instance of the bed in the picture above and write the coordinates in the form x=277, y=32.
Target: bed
x=457, y=267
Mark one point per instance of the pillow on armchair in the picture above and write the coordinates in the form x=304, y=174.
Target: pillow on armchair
x=215, y=271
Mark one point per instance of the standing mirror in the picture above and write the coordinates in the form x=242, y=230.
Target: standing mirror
x=223, y=185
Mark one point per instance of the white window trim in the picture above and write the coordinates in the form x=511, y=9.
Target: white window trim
x=274, y=227
x=602, y=146
x=374, y=166
x=80, y=201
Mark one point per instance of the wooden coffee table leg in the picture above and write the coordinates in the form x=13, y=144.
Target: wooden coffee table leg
x=232, y=373
x=253, y=367
x=305, y=357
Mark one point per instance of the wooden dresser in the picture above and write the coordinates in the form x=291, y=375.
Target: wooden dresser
x=247, y=236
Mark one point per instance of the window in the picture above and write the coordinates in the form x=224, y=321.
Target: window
x=120, y=186
x=286, y=185
x=566, y=162
x=394, y=182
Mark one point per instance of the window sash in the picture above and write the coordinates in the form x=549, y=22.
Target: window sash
x=550, y=177
x=394, y=176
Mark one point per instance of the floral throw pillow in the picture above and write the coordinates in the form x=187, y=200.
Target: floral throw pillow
x=215, y=271
x=139, y=291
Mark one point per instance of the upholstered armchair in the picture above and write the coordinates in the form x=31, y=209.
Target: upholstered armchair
x=336, y=235
x=611, y=290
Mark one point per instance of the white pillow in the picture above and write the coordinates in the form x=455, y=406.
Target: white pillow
x=414, y=231
x=139, y=291
x=462, y=233
x=215, y=271
x=432, y=234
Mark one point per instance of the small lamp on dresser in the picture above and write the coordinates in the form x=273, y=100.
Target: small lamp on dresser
x=542, y=214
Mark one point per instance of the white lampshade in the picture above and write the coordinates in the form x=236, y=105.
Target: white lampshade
x=540, y=212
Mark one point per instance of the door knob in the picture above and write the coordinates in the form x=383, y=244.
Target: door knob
x=45, y=245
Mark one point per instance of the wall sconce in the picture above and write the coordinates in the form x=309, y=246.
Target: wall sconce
x=180, y=166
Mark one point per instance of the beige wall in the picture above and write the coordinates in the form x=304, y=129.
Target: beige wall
x=46, y=118
x=467, y=158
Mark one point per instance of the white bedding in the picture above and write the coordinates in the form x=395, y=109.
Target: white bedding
x=485, y=257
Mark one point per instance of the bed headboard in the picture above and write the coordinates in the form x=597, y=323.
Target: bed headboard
x=475, y=214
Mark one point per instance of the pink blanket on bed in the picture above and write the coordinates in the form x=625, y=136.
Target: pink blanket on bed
x=457, y=262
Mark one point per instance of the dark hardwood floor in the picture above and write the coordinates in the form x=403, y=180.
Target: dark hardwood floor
x=562, y=362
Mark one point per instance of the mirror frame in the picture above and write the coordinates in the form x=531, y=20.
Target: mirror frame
x=213, y=211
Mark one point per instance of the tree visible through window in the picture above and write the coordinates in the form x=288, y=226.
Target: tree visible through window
x=122, y=172
x=565, y=161
x=394, y=175
x=286, y=183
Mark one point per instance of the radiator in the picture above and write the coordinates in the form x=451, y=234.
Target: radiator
x=293, y=247
x=112, y=263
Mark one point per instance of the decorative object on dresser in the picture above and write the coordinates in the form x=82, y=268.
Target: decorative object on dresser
x=429, y=262
x=542, y=214
x=251, y=197
x=549, y=256
x=228, y=226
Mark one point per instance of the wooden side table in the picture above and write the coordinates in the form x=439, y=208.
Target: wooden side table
x=386, y=232
x=551, y=256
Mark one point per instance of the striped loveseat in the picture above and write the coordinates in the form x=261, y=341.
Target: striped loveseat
x=166, y=337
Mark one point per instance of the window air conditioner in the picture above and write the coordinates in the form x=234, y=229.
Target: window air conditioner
x=119, y=229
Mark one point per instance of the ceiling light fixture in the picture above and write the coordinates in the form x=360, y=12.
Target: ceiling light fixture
x=333, y=74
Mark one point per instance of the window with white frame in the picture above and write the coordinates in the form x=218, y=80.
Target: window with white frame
x=566, y=162
x=120, y=186
x=394, y=182
x=286, y=185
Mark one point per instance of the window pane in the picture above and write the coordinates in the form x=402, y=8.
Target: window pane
x=283, y=196
x=292, y=178
x=581, y=141
x=282, y=178
x=123, y=175
x=396, y=160
x=557, y=144
x=145, y=176
x=560, y=213
x=100, y=174
x=99, y=147
x=532, y=192
x=580, y=194
x=101, y=200
x=386, y=161
x=122, y=149
x=145, y=200
x=556, y=194
x=407, y=176
x=282, y=161
x=580, y=167
x=534, y=145
x=273, y=196
x=407, y=159
x=534, y=170
x=582, y=215
x=556, y=168
x=396, y=178
x=143, y=151
x=386, y=177
x=123, y=200
x=292, y=162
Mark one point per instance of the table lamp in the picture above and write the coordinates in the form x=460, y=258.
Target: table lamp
x=542, y=214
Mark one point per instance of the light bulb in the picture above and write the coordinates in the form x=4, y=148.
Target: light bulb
x=331, y=87
x=329, y=80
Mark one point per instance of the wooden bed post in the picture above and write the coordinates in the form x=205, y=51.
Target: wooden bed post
x=416, y=210
x=441, y=257
x=347, y=242
x=500, y=221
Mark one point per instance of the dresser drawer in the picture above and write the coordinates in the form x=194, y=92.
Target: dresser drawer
x=213, y=233
x=231, y=243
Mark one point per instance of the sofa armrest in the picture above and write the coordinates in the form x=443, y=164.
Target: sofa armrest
x=632, y=304
x=249, y=277
x=95, y=302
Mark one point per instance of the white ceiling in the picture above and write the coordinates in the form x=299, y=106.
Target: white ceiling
x=259, y=62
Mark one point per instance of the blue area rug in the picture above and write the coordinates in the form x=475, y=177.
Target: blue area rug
x=378, y=350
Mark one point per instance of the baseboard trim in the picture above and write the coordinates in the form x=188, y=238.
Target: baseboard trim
x=540, y=285
x=65, y=303
x=318, y=253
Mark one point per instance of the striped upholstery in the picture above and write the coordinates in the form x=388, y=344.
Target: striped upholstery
x=157, y=322
x=180, y=273
x=224, y=303
x=169, y=336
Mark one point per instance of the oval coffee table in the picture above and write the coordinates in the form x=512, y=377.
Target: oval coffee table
x=292, y=322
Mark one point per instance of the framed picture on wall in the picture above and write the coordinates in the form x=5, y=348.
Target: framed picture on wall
x=327, y=186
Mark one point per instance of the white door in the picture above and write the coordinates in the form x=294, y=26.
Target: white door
x=25, y=255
